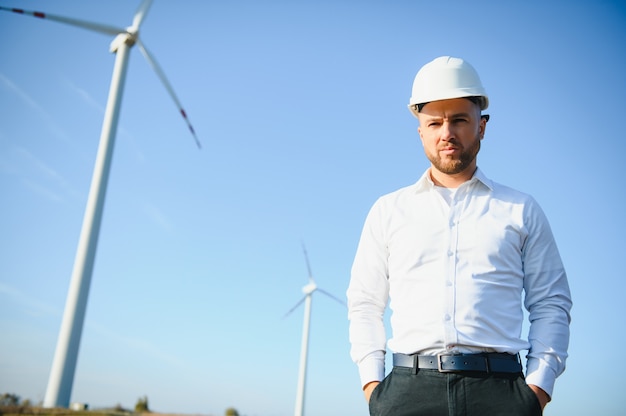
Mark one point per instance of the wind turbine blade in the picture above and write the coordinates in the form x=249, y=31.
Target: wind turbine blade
x=96, y=27
x=332, y=296
x=169, y=88
x=308, y=265
x=141, y=13
x=294, y=307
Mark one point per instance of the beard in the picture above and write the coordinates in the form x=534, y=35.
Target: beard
x=451, y=166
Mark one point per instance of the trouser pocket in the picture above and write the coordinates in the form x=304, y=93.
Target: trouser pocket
x=529, y=397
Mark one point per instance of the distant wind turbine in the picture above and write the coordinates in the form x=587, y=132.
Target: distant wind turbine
x=64, y=364
x=308, y=290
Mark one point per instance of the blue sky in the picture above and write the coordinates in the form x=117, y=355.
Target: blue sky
x=301, y=109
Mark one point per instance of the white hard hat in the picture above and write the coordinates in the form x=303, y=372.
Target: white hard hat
x=446, y=78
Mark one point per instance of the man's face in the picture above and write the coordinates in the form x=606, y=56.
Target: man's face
x=451, y=131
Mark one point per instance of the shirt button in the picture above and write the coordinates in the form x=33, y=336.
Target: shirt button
x=446, y=317
x=448, y=283
x=450, y=253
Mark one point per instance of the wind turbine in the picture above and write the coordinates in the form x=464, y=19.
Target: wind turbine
x=308, y=290
x=64, y=363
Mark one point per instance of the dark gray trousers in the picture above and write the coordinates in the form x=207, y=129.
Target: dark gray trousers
x=432, y=393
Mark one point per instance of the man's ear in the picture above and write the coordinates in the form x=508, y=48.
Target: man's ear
x=483, y=125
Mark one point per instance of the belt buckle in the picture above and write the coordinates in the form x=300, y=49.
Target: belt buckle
x=460, y=368
x=440, y=363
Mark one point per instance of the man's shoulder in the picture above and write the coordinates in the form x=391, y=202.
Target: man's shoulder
x=501, y=191
x=506, y=192
x=399, y=193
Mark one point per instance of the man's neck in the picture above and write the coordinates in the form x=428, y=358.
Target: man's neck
x=451, y=180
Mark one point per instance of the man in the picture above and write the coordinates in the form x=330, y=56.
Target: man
x=455, y=255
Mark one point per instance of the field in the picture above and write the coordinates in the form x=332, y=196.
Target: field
x=40, y=411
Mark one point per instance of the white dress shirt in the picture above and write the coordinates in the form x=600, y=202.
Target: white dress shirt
x=454, y=274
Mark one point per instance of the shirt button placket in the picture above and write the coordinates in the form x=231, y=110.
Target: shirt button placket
x=450, y=334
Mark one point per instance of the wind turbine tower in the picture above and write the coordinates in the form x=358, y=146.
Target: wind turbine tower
x=64, y=365
x=308, y=291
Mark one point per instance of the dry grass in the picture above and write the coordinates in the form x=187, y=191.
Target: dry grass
x=40, y=411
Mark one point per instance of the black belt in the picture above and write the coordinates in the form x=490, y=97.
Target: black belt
x=452, y=363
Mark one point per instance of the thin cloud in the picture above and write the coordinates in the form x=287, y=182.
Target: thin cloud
x=157, y=216
x=28, y=100
x=137, y=344
x=95, y=104
x=41, y=167
x=41, y=190
x=46, y=174
x=34, y=306
x=86, y=97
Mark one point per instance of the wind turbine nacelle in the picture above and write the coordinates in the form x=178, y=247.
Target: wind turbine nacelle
x=310, y=288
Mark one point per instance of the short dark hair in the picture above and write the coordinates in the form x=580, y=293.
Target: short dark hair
x=475, y=99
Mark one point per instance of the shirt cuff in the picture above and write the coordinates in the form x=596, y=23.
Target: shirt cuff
x=540, y=374
x=372, y=368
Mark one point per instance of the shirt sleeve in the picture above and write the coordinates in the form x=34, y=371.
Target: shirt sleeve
x=367, y=294
x=547, y=300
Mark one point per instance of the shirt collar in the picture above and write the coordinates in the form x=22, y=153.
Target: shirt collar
x=425, y=183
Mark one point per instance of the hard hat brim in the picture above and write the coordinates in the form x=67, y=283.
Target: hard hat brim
x=483, y=103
